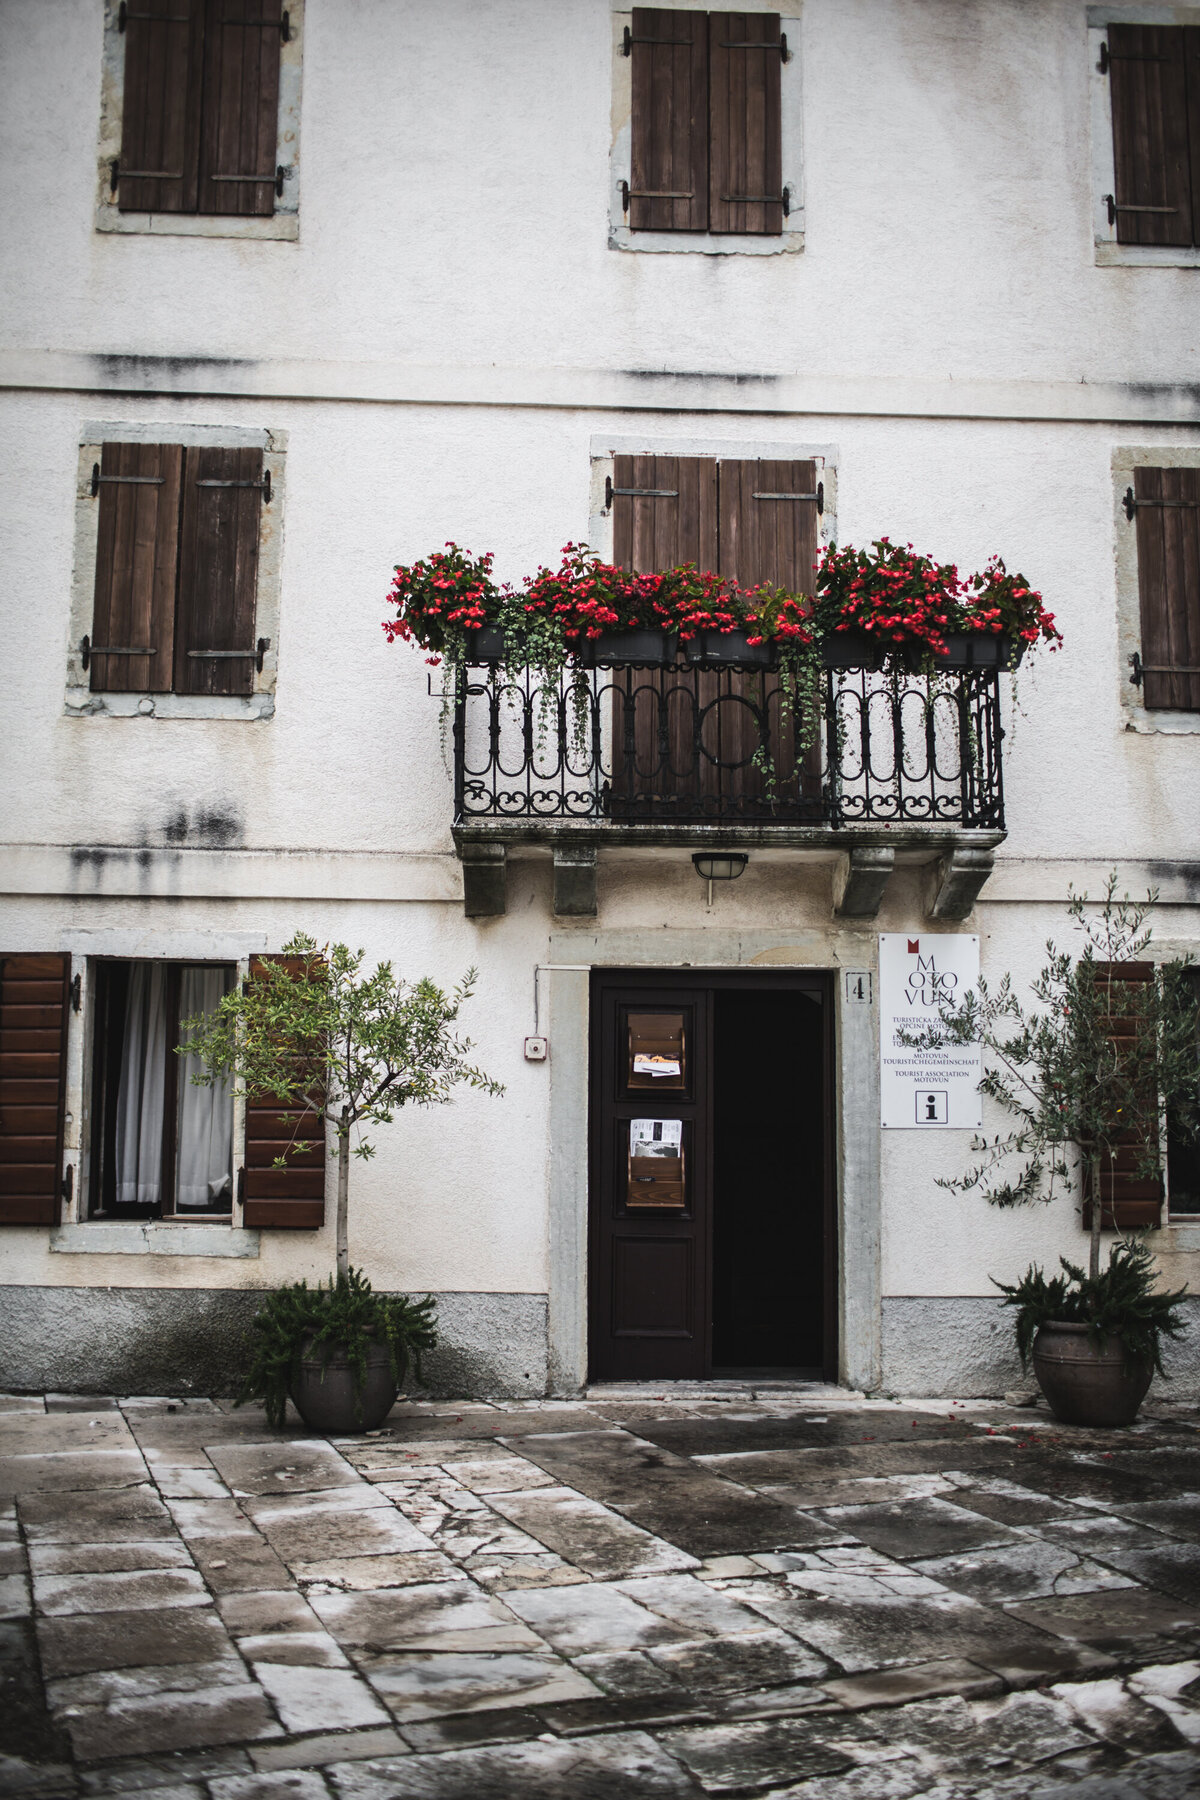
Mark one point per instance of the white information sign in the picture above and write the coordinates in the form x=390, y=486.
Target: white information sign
x=926, y=1090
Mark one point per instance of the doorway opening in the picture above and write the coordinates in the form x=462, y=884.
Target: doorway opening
x=713, y=1209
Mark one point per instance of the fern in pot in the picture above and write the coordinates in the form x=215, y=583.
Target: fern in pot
x=337, y=1047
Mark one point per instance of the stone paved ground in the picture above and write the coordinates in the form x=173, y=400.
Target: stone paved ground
x=798, y=1593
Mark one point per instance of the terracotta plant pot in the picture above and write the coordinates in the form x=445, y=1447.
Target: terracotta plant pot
x=852, y=650
x=728, y=650
x=323, y=1393
x=620, y=649
x=1086, y=1383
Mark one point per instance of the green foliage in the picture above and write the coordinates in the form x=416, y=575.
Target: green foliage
x=1093, y=1063
x=353, y=1046
x=345, y=1316
x=1120, y=1302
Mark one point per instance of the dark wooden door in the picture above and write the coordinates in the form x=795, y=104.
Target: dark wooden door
x=683, y=1154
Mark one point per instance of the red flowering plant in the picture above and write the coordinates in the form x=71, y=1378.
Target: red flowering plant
x=891, y=593
x=442, y=600
x=1000, y=602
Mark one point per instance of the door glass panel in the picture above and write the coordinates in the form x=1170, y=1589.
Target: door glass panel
x=657, y=1051
x=657, y=1170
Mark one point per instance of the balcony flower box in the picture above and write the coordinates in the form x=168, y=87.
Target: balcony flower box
x=728, y=650
x=640, y=648
x=851, y=650
x=966, y=650
x=487, y=644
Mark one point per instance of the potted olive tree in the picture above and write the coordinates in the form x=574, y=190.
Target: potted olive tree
x=1085, y=1071
x=335, y=1044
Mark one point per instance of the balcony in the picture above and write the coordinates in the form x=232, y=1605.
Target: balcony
x=695, y=758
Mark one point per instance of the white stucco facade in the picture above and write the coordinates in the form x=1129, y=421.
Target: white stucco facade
x=443, y=351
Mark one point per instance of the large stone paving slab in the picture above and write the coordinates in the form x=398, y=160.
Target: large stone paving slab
x=548, y=1599
x=668, y=1495
x=617, y=1766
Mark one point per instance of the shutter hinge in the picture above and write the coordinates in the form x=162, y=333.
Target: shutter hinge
x=628, y=41
x=77, y=993
x=263, y=486
x=636, y=493
x=67, y=1185
x=1103, y=64
x=780, y=45
x=1111, y=207
x=784, y=200
x=87, y=650
x=99, y=480
x=124, y=16
x=1131, y=505
x=260, y=650
x=277, y=179
x=819, y=496
x=1140, y=668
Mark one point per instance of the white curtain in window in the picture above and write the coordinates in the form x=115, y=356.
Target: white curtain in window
x=205, y=1113
x=140, y=1092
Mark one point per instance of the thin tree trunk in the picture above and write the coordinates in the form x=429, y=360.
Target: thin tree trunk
x=343, y=1197
x=1097, y=1208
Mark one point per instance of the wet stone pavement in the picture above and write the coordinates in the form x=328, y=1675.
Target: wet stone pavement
x=685, y=1592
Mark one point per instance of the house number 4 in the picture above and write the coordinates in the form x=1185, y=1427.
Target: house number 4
x=860, y=987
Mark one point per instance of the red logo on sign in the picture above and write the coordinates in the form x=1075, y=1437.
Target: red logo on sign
x=914, y=946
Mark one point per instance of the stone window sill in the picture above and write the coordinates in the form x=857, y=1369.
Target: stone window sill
x=128, y=1237
x=82, y=703
x=282, y=225
x=1111, y=255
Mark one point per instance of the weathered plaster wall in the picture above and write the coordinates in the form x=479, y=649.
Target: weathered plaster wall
x=945, y=336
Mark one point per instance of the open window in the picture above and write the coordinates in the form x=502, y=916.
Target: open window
x=161, y=1146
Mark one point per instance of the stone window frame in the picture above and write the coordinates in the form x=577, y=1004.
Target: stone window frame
x=707, y=243
x=78, y=1233
x=605, y=448
x=284, y=224
x=80, y=701
x=1135, y=715
x=1108, y=253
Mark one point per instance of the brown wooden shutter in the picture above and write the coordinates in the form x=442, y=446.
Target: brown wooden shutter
x=1168, y=551
x=239, y=127
x=1130, y=1200
x=291, y=1198
x=768, y=533
x=160, y=124
x=745, y=142
x=1150, y=105
x=35, y=996
x=222, y=505
x=137, y=548
x=664, y=508
x=669, y=129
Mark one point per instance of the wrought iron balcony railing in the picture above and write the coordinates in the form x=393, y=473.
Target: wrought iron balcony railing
x=680, y=746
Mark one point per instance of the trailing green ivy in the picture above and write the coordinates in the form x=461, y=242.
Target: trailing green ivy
x=1120, y=1302
x=343, y=1317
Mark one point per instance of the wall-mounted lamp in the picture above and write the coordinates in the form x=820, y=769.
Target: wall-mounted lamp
x=726, y=867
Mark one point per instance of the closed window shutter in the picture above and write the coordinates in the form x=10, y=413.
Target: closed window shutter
x=137, y=549
x=34, y=1008
x=291, y=1198
x=1130, y=1199
x=1153, y=165
x=669, y=129
x=241, y=101
x=222, y=504
x=1168, y=552
x=1183, y=1149
x=745, y=143
x=160, y=127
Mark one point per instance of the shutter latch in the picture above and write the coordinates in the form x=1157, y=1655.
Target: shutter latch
x=77, y=993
